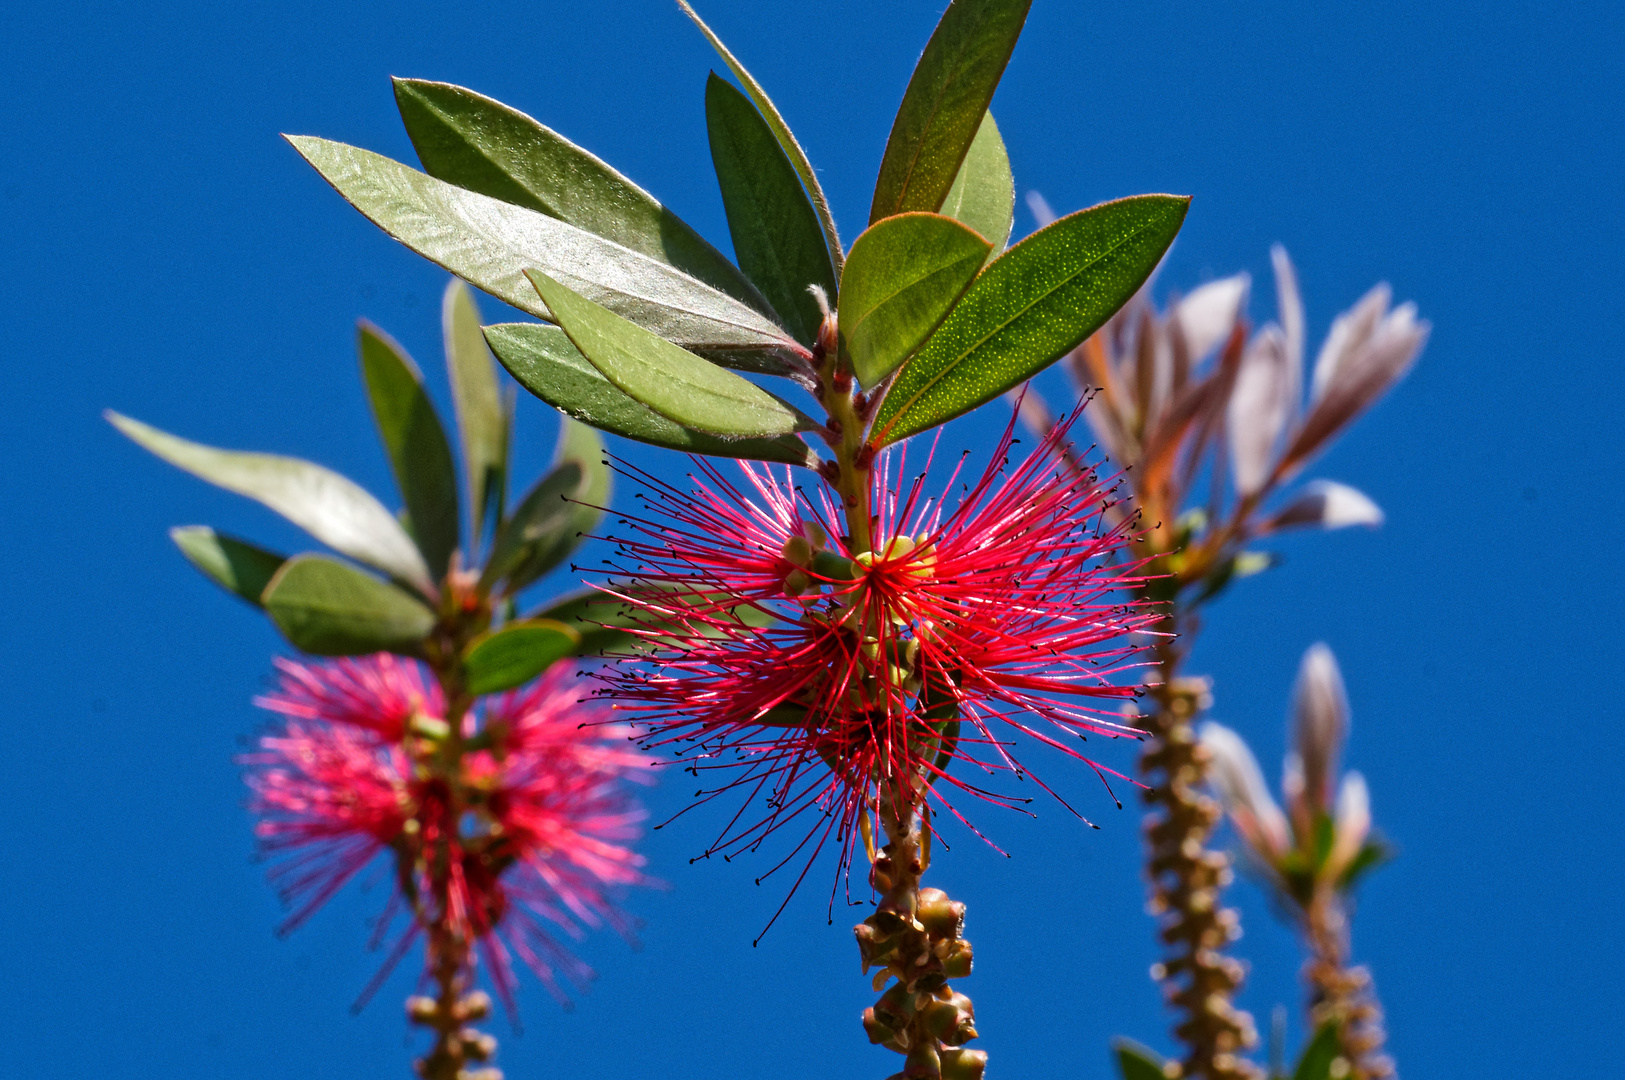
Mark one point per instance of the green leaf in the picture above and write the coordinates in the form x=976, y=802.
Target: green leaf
x=1031, y=306
x=474, y=142
x=517, y=653
x=673, y=382
x=947, y=96
x=233, y=564
x=482, y=422
x=544, y=362
x=984, y=192
x=489, y=243
x=773, y=225
x=416, y=443
x=333, y=509
x=1316, y=1062
x=902, y=276
x=329, y=608
x=1136, y=1062
x=581, y=446
x=540, y=520
x=603, y=620
x=600, y=620
x=781, y=132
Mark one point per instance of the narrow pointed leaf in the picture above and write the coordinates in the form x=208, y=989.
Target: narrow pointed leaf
x=984, y=192
x=467, y=139
x=490, y=243
x=1031, y=306
x=673, y=382
x=902, y=276
x=482, y=423
x=540, y=519
x=416, y=443
x=1323, y=1049
x=781, y=132
x=235, y=565
x=542, y=360
x=774, y=227
x=332, y=508
x=517, y=653
x=1135, y=1062
x=581, y=446
x=329, y=608
x=947, y=96
x=599, y=620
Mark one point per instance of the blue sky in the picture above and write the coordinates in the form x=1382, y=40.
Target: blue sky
x=166, y=254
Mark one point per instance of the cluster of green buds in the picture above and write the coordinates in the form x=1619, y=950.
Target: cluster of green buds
x=459, y=1042
x=914, y=937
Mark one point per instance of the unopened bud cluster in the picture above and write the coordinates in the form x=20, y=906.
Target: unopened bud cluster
x=458, y=1043
x=914, y=937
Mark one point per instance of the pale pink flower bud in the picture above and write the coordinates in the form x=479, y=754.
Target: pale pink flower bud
x=1207, y=316
x=1260, y=405
x=1327, y=504
x=1353, y=824
x=1320, y=716
x=1240, y=784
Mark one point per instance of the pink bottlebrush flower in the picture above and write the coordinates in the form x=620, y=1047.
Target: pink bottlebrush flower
x=820, y=678
x=526, y=838
x=380, y=693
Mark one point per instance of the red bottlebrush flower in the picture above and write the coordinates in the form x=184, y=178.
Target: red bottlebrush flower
x=821, y=677
x=526, y=838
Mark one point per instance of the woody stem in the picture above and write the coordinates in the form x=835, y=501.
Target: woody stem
x=1187, y=879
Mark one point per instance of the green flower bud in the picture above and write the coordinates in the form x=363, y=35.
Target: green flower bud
x=941, y=916
x=963, y=1064
x=923, y=1063
x=956, y=965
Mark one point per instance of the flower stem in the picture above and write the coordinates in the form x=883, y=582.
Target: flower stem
x=450, y=953
x=914, y=935
x=1187, y=879
x=1341, y=994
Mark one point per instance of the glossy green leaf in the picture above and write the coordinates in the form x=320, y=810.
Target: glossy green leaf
x=1030, y=306
x=1136, y=1062
x=902, y=276
x=947, y=96
x=1323, y=1049
x=583, y=447
x=416, y=443
x=490, y=243
x=774, y=227
x=544, y=362
x=474, y=142
x=781, y=132
x=329, y=608
x=673, y=382
x=235, y=565
x=517, y=653
x=984, y=192
x=333, y=509
x=538, y=523
x=482, y=422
